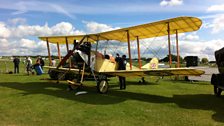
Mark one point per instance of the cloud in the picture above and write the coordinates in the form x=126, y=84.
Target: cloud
x=21, y=39
x=191, y=37
x=214, y=22
x=19, y=47
x=60, y=9
x=21, y=7
x=62, y=29
x=18, y=12
x=216, y=8
x=21, y=31
x=218, y=24
x=26, y=43
x=171, y=3
x=94, y=27
x=4, y=44
x=17, y=37
x=4, y=31
x=201, y=48
x=17, y=21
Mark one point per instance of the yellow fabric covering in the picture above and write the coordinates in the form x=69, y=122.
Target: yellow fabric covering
x=149, y=30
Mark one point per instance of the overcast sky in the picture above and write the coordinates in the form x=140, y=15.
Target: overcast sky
x=22, y=21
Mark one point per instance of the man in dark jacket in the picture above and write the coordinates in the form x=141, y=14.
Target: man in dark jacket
x=121, y=66
x=16, y=62
x=41, y=63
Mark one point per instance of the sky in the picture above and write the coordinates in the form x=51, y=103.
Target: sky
x=22, y=21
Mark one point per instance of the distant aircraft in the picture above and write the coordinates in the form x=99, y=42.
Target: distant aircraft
x=89, y=62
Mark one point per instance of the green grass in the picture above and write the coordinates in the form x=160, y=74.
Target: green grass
x=34, y=100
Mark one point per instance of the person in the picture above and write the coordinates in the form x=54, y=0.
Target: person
x=38, y=66
x=16, y=62
x=121, y=66
x=117, y=56
x=40, y=62
x=53, y=62
x=28, y=65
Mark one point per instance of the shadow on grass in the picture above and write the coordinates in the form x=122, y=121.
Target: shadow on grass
x=195, y=101
x=59, y=90
x=117, y=84
x=194, y=82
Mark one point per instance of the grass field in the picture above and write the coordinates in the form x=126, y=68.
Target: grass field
x=35, y=100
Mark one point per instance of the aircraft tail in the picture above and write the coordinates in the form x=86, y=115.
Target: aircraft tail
x=153, y=64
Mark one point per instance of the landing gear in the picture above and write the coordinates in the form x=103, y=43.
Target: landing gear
x=102, y=84
x=217, y=80
x=217, y=91
x=142, y=80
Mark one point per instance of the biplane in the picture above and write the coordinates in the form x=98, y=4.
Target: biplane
x=84, y=61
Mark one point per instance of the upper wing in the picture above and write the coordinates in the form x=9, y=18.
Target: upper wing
x=156, y=72
x=149, y=30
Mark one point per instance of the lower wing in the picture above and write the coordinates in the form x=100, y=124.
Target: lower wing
x=156, y=72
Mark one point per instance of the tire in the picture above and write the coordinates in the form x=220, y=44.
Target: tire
x=53, y=74
x=217, y=91
x=143, y=80
x=61, y=76
x=102, y=86
x=214, y=79
x=70, y=76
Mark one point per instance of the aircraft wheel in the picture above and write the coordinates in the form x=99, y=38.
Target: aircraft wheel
x=72, y=87
x=143, y=80
x=217, y=91
x=53, y=74
x=102, y=86
x=61, y=76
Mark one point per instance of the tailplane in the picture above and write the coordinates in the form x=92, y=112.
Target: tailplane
x=153, y=64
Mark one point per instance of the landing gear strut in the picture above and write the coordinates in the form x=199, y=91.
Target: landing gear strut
x=102, y=84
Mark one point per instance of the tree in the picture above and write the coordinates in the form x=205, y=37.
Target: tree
x=204, y=60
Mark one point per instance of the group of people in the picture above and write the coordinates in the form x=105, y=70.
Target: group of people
x=28, y=63
x=120, y=60
x=121, y=66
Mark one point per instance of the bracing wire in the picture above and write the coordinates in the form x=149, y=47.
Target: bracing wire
x=155, y=53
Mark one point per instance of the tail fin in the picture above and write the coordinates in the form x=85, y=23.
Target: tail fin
x=153, y=64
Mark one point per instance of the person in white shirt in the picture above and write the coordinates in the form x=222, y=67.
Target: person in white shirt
x=53, y=62
x=28, y=65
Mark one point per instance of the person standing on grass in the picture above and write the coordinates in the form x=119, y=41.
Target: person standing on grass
x=121, y=66
x=53, y=61
x=40, y=62
x=16, y=62
x=28, y=65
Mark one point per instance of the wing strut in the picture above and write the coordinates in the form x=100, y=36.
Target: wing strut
x=59, y=52
x=139, y=56
x=177, y=45
x=66, y=40
x=129, y=49
x=168, y=30
x=49, y=52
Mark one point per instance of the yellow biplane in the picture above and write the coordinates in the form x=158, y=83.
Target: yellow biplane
x=85, y=62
